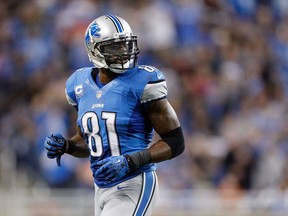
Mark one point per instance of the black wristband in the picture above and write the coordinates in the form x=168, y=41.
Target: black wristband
x=130, y=162
x=138, y=159
x=70, y=146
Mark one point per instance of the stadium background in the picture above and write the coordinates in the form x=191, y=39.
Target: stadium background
x=226, y=65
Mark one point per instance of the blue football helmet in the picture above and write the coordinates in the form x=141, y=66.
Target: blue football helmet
x=110, y=43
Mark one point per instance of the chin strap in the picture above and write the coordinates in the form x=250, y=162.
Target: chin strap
x=116, y=67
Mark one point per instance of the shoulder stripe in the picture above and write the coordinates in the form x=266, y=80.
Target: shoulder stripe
x=156, y=81
x=154, y=91
x=118, y=25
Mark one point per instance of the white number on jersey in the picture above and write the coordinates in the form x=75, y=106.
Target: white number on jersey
x=146, y=67
x=90, y=123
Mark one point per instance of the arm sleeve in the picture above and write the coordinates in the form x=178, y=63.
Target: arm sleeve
x=71, y=100
x=155, y=89
x=175, y=139
x=70, y=93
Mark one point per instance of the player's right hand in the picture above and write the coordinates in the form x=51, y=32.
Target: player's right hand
x=55, y=146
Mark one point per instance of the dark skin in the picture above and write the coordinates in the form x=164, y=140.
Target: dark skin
x=162, y=118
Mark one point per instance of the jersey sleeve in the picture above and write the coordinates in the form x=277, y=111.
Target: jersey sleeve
x=156, y=88
x=70, y=93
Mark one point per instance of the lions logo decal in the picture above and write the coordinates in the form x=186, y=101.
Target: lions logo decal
x=93, y=31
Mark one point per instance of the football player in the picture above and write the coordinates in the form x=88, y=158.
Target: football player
x=119, y=104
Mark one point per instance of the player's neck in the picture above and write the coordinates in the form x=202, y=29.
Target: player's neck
x=105, y=75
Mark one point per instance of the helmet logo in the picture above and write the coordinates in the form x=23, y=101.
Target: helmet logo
x=93, y=31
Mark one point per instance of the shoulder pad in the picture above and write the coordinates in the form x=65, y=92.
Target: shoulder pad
x=155, y=88
x=77, y=77
x=154, y=74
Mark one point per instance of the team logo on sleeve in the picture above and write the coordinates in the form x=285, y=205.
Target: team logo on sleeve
x=78, y=90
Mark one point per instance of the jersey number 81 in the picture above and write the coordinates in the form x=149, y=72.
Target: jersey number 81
x=91, y=126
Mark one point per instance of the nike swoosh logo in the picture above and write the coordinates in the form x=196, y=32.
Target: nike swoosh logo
x=117, y=161
x=159, y=76
x=120, y=188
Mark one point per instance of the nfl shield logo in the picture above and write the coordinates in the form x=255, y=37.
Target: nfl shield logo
x=99, y=94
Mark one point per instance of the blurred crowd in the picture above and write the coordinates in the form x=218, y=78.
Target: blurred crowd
x=225, y=62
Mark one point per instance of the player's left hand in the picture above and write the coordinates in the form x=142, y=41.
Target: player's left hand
x=113, y=168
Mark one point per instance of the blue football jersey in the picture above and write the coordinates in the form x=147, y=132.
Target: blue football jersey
x=111, y=116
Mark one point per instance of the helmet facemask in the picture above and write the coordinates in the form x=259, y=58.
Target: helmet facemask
x=119, y=54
